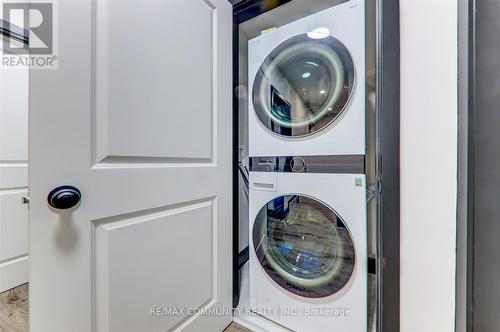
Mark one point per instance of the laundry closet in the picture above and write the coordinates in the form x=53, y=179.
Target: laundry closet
x=305, y=82
x=119, y=214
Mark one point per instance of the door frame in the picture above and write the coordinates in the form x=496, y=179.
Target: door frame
x=465, y=166
x=387, y=166
x=387, y=155
x=467, y=101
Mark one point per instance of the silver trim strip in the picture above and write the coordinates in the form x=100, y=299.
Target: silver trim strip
x=344, y=164
x=13, y=31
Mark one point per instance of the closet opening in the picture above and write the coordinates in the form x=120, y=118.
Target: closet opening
x=297, y=74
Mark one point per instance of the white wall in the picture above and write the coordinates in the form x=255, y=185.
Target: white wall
x=428, y=164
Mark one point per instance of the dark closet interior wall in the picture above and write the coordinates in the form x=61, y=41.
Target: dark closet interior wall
x=484, y=166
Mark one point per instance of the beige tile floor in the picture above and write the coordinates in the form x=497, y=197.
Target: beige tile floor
x=14, y=312
x=236, y=328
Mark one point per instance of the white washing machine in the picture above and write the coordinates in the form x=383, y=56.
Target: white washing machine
x=307, y=85
x=308, y=251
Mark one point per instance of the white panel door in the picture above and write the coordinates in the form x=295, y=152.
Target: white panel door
x=138, y=118
x=13, y=176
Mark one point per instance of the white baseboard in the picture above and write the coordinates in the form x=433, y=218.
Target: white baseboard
x=14, y=272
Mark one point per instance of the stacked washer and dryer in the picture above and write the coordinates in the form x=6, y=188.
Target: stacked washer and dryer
x=307, y=198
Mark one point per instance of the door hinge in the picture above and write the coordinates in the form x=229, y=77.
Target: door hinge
x=25, y=200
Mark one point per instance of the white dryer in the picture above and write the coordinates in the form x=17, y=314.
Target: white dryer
x=308, y=251
x=307, y=85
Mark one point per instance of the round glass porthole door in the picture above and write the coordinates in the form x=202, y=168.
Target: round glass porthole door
x=304, y=246
x=303, y=85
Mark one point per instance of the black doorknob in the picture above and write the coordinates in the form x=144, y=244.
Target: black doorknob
x=64, y=197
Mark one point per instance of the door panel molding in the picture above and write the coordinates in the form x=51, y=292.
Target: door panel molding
x=121, y=103
x=162, y=230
